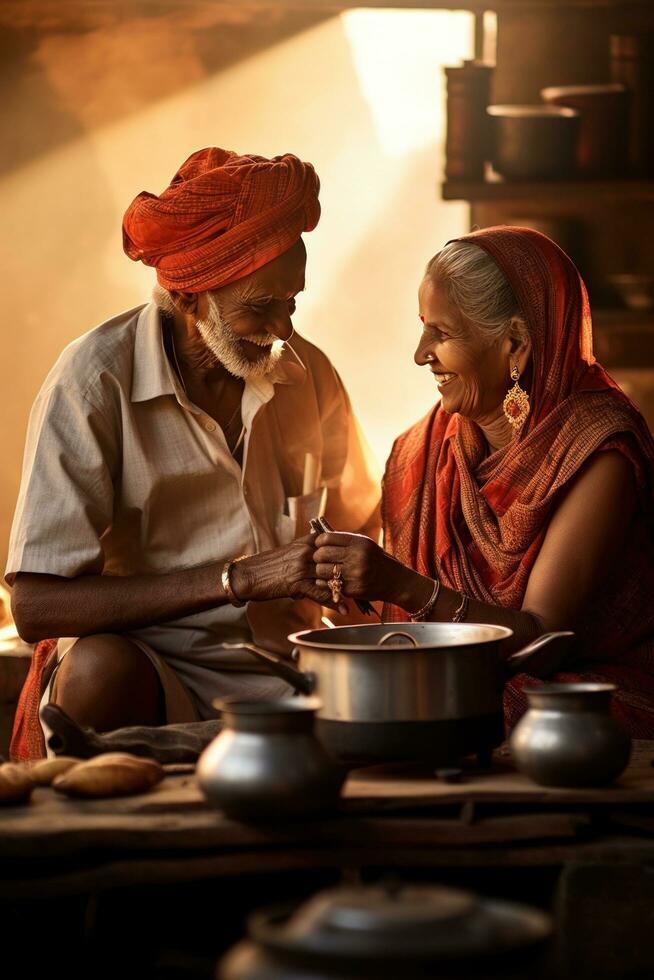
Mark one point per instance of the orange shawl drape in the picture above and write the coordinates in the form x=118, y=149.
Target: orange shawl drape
x=479, y=522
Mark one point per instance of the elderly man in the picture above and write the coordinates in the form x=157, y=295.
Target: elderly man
x=164, y=455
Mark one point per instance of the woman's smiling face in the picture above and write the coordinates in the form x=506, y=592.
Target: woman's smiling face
x=472, y=377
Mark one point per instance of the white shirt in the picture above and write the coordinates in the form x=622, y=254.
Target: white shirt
x=123, y=475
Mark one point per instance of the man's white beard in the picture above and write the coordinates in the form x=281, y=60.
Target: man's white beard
x=225, y=345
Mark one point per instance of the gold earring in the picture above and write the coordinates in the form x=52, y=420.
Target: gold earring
x=516, y=403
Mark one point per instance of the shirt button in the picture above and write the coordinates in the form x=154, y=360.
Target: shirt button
x=210, y=426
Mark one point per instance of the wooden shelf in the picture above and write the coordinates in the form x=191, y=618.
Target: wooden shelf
x=624, y=338
x=621, y=318
x=555, y=190
x=472, y=5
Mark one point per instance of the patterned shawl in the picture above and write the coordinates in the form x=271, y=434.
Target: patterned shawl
x=479, y=522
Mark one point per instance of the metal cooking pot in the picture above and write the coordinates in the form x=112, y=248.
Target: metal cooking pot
x=409, y=691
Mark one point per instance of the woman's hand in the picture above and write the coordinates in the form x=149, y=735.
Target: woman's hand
x=287, y=572
x=368, y=571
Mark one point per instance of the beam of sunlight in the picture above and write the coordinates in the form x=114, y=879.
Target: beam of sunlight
x=360, y=96
x=398, y=56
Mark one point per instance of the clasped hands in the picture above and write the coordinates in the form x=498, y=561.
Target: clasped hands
x=304, y=569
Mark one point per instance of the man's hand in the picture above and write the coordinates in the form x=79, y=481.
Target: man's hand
x=287, y=572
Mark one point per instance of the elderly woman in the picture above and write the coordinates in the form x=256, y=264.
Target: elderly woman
x=524, y=498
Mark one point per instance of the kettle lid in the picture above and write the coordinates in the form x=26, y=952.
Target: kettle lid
x=376, y=908
x=413, y=922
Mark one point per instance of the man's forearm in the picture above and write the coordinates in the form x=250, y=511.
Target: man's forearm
x=51, y=606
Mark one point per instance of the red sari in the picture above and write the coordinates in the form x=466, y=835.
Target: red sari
x=478, y=522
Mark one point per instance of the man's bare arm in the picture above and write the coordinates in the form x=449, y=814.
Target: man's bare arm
x=47, y=606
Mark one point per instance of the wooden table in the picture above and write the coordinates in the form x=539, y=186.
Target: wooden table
x=56, y=846
x=164, y=871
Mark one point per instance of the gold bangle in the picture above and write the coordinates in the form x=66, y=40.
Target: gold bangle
x=418, y=617
x=227, y=585
x=461, y=611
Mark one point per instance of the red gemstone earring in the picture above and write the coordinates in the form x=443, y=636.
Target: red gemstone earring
x=516, y=402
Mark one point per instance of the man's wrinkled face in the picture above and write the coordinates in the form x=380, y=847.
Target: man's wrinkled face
x=245, y=324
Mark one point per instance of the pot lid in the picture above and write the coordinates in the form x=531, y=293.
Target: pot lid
x=375, y=909
x=380, y=637
x=412, y=923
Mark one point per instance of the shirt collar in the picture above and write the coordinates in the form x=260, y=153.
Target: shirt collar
x=152, y=374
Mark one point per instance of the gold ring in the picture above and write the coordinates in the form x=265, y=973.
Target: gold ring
x=336, y=584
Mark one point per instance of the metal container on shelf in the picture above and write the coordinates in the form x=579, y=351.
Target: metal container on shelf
x=603, y=127
x=533, y=142
x=466, y=142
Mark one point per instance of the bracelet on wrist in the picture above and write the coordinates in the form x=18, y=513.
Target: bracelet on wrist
x=226, y=583
x=461, y=610
x=421, y=614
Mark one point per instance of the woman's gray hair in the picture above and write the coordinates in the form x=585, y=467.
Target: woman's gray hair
x=478, y=288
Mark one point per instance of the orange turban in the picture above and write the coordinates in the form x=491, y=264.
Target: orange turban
x=222, y=217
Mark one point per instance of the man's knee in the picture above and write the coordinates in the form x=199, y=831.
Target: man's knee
x=105, y=660
x=105, y=681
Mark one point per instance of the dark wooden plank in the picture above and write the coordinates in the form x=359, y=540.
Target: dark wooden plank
x=620, y=318
x=555, y=191
x=175, y=813
x=504, y=785
x=165, y=869
x=106, y=8
x=206, y=829
x=635, y=820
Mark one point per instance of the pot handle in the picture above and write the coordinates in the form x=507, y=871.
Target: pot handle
x=303, y=683
x=544, y=655
x=389, y=636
